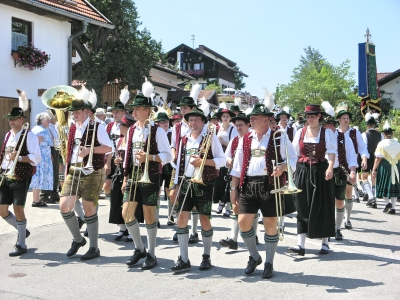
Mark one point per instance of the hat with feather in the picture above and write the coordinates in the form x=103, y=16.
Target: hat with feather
x=342, y=109
x=123, y=99
x=329, y=117
x=144, y=100
x=18, y=112
x=371, y=119
x=387, y=128
x=284, y=111
x=81, y=102
x=191, y=100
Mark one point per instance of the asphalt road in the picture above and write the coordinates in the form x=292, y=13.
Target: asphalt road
x=366, y=264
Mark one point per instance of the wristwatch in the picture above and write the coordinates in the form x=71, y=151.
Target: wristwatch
x=20, y=158
x=233, y=188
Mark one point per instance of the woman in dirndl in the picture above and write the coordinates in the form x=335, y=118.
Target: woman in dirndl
x=316, y=149
x=117, y=179
x=386, y=169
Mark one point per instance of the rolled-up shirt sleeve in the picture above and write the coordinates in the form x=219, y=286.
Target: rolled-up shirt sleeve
x=164, y=148
x=103, y=137
x=330, y=142
x=33, y=148
x=228, y=151
x=295, y=143
x=238, y=160
x=362, y=147
x=218, y=153
x=173, y=137
x=291, y=152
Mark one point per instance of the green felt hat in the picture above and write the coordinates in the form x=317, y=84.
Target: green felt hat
x=241, y=117
x=77, y=104
x=260, y=109
x=89, y=106
x=187, y=101
x=16, y=112
x=118, y=106
x=234, y=108
x=342, y=109
x=197, y=113
x=141, y=100
x=162, y=116
x=328, y=120
x=281, y=113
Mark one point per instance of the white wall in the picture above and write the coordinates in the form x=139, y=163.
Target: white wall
x=48, y=35
x=393, y=87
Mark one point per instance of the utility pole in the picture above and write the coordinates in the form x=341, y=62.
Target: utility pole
x=193, y=40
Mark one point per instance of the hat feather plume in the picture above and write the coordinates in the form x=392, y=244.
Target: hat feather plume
x=238, y=101
x=268, y=99
x=205, y=106
x=386, y=126
x=367, y=116
x=286, y=109
x=23, y=100
x=147, y=88
x=93, y=98
x=124, y=96
x=195, y=91
x=222, y=105
x=84, y=94
x=328, y=108
x=375, y=116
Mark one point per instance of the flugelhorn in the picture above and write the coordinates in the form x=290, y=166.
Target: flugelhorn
x=11, y=173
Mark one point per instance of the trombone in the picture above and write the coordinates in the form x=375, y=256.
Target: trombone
x=145, y=177
x=289, y=188
x=11, y=173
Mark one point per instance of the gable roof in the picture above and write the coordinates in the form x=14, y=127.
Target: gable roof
x=388, y=77
x=74, y=9
x=163, y=83
x=181, y=46
x=166, y=69
x=201, y=49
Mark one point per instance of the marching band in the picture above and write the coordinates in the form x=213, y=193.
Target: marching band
x=252, y=164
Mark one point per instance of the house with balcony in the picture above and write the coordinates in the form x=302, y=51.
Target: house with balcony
x=390, y=84
x=47, y=25
x=204, y=64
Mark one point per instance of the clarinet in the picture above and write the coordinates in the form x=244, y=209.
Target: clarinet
x=360, y=192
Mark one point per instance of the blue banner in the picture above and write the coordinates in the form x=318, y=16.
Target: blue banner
x=362, y=71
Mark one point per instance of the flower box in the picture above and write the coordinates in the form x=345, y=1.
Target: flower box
x=31, y=58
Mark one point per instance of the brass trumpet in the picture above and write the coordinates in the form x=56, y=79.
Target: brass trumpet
x=11, y=173
x=289, y=188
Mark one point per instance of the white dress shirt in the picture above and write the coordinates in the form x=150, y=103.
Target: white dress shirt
x=184, y=131
x=115, y=129
x=362, y=146
x=216, y=148
x=32, y=143
x=330, y=141
x=286, y=128
x=225, y=134
x=141, y=134
x=351, y=156
x=102, y=138
x=258, y=164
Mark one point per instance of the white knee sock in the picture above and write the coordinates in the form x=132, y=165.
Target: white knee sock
x=301, y=240
x=367, y=187
x=393, y=199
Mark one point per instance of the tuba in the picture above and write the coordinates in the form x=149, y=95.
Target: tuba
x=59, y=98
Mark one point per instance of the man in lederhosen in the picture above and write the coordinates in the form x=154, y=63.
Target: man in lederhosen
x=242, y=124
x=345, y=160
x=190, y=157
x=14, y=191
x=344, y=118
x=77, y=184
x=253, y=174
x=112, y=129
x=145, y=194
x=187, y=104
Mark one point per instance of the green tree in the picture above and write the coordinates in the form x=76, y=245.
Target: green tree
x=316, y=80
x=214, y=85
x=239, y=84
x=124, y=53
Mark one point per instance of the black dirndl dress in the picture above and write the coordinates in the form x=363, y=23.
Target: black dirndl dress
x=315, y=205
x=384, y=185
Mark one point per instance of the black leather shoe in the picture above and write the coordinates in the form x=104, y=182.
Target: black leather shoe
x=356, y=200
x=171, y=222
x=175, y=237
x=181, y=265
x=39, y=204
x=268, y=271
x=365, y=197
x=18, y=250
x=91, y=253
x=252, y=265
x=324, y=251
x=392, y=211
x=121, y=234
x=206, y=263
x=137, y=255
x=220, y=208
x=129, y=239
x=194, y=238
x=150, y=262
x=80, y=222
x=86, y=233
x=75, y=246
x=387, y=207
x=158, y=224
x=229, y=243
x=298, y=250
x=348, y=225
x=338, y=235
x=371, y=201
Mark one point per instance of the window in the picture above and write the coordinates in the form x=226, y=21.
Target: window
x=21, y=33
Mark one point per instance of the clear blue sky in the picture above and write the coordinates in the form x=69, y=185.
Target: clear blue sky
x=266, y=38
